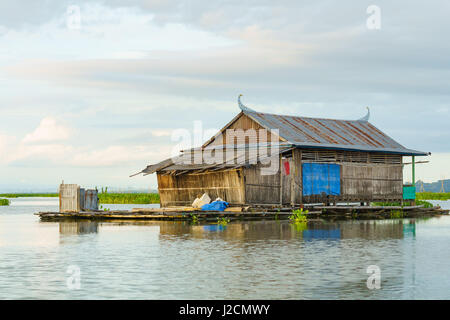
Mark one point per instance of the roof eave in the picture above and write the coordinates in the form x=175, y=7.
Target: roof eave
x=404, y=152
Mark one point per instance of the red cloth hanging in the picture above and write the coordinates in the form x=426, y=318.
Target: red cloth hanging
x=286, y=167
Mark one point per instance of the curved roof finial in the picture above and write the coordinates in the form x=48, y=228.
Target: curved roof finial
x=242, y=107
x=367, y=116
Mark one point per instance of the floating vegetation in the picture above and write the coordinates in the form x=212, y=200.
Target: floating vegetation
x=386, y=204
x=426, y=204
x=4, y=202
x=397, y=214
x=104, y=209
x=223, y=221
x=298, y=216
x=194, y=219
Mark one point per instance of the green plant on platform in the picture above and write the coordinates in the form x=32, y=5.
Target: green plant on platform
x=397, y=214
x=223, y=221
x=194, y=219
x=104, y=209
x=4, y=202
x=298, y=216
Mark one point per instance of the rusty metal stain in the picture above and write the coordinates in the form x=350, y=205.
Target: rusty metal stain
x=337, y=135
x=360, y=135
x=328, y=132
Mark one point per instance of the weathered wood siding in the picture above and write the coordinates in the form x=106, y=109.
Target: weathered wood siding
x=364, y=182
x=181, y=190
x=364, y=176
x=296, y=182
x=245, y=123
x=69, y=198
x=261, y=189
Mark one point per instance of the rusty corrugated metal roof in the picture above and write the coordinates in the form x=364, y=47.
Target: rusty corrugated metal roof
x=307, y=132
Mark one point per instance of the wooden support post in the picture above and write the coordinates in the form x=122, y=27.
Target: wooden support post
x=243, y=195
x=281, y=180
x=296, y=181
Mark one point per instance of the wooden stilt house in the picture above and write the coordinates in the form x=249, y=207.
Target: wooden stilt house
x=269, y=159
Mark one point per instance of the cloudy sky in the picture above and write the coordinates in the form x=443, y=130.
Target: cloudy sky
x=95, y=97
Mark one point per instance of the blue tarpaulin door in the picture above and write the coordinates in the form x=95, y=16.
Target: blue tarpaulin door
x=319, y=178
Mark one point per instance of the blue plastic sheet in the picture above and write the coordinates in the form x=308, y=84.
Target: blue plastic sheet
x=319, y=178
x=216, y=206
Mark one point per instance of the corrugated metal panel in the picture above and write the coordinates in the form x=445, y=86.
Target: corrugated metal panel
x=331, y=133
x=90, y=200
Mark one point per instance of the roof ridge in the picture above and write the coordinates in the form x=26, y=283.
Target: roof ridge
x=318, y=118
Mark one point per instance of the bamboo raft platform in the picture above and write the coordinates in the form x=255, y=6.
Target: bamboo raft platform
x=254, y=213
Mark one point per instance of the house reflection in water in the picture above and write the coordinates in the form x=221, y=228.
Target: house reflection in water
x=266, y=230
x=78, y=227
x=374, y=229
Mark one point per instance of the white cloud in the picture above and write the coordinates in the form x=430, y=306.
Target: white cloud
x=162, y=132
x=136, y=68
x=115, y=156
x=48, y=130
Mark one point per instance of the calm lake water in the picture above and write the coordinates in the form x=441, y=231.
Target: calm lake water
x=245, y=260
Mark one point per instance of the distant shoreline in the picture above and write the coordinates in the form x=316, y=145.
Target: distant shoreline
x=149, y=198
x=105, y=198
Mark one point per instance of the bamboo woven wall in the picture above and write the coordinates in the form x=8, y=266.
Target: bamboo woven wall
x=181, y=190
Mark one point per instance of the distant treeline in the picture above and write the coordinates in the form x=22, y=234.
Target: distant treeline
x=433, y=196
x=23, y=195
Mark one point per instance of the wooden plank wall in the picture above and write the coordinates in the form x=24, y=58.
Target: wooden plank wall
x=245, y=123
x=261, y=189
x=371, y=182
x=69, y=198
x=182, y=190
